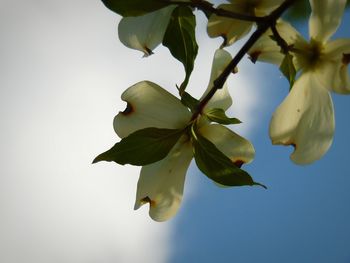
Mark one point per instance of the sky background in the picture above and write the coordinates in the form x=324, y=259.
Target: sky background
x=62, y=70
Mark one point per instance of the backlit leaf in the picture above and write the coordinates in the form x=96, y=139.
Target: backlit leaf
x=218, y=115
x=189, y=101
x=142, y=147
x=217, y=166
x=134, y=7
x=288, y=69
x=181, y=40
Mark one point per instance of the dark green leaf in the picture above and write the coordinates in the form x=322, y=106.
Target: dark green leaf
x=142, y=147
x=299, y=11
x=189, y=101
x=217, y=166
x=288, y=69
x=181, y=40
x=134, y=7
x=218, y=115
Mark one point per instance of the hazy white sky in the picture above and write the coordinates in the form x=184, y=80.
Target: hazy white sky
x=62, y=70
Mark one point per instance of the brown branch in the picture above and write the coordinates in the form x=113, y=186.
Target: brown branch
x=262, y=27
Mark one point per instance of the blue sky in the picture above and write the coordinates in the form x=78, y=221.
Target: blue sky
x=303, y=216
x=62, y=71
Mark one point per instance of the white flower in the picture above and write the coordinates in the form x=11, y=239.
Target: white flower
x=305, y=119
x=233, y=29
x=146, y=32
x=161, y=184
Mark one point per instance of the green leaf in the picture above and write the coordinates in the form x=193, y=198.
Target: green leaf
x=190, y=102
x=134, y=7
x=288, y=69
x=218, y=115
x=217, y=166
x=142, y=147
x=299, y=11
x=180, y=38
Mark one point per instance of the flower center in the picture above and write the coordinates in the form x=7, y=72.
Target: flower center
x=308, y=55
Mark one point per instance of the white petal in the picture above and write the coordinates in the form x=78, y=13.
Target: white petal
x=237, y=148
x=305, y=119
x=337, y=59
x=149, y=105
x=337, y=48
x=334, y=76
x=267, y=50
x=222, y=98
x=161, y=184
x=325, y=18
x=145, y=32
x=230, y=29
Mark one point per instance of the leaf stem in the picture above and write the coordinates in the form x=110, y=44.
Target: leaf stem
x=262, y=27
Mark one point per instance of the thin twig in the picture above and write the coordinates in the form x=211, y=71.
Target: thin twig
x=279, y=40
x=262, y=27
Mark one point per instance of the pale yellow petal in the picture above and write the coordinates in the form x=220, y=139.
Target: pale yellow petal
x=334, y=75
x=145, y=32
x=222, y=98
x=237, y=148
x=325, y=18
x=337, y=48
x=149, y=105
x=305, y=120
x=267, y=50
x=161, y=184
x=230, y=29
x=336, y=64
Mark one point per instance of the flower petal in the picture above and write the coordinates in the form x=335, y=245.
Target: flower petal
x=334, y=76
x=325, y=18
x=161, y=184
x=267, y=50
x=337, y=48
x=336, y=66
x=149, y=105
x=237, y=148
x=230, y=29
x=305, y=119
x=145, y=32
x=222, y=98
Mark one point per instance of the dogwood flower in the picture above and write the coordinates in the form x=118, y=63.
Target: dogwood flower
x=146, y=32
x=305, y=119
x=233, y=29
x=161, y=184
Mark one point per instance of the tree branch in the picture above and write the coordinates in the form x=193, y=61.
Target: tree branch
x=262, y=27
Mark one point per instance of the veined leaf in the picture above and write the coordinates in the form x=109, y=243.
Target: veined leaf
x=134, y=7
x=218, y=115
x=181, y=40
x=142, y=147
x=288, y=69
x=217, y=166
